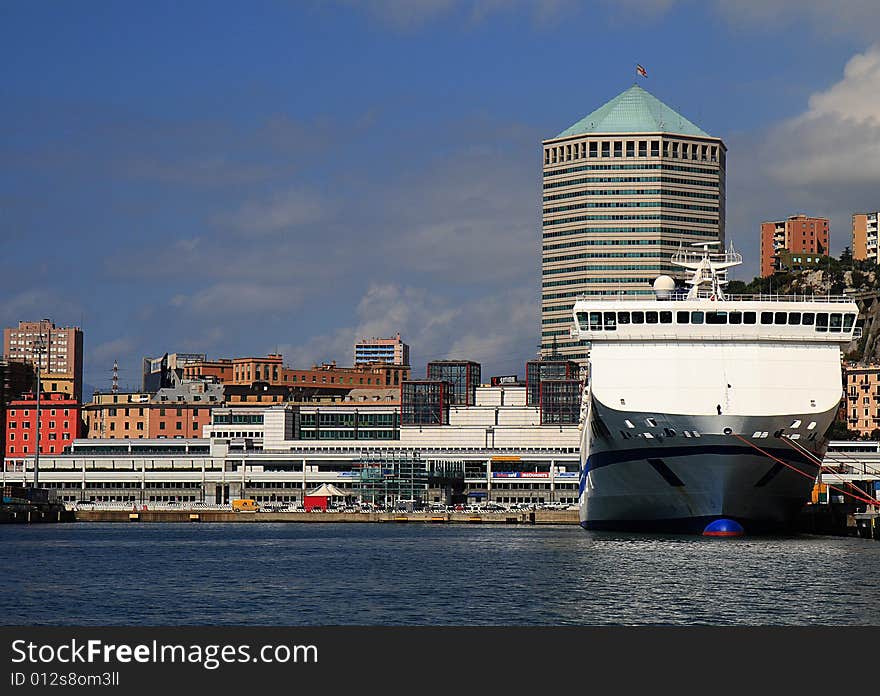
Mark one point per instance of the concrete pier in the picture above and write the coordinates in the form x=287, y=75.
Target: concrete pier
x=18, y=515
x=556, y=517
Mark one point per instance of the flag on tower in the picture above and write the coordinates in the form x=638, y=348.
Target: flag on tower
x=641, y=71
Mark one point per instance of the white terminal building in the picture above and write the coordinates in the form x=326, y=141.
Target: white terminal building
x=496, y=450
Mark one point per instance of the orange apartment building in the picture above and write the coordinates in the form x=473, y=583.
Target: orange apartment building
x=864, y=236
x=133, y=416
x=799, y=234
x=177, y=411
x=270, y=369
x=862, y=388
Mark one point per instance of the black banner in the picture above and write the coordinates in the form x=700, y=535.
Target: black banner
x=235, y=660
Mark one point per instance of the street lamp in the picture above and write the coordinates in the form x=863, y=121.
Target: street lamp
x=39, y=345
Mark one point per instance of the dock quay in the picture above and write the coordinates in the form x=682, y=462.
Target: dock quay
x=544, y=517
x=33, y=515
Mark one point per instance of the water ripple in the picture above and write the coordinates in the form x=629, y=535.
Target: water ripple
x=370, y=574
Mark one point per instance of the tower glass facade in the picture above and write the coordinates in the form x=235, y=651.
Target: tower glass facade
x=622, y=189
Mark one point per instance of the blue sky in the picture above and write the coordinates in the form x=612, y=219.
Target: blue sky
x=238, y=178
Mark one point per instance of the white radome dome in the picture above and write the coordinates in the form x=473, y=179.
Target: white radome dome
x=663, y=286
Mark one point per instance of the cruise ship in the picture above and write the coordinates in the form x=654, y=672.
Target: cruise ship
x=702, y=409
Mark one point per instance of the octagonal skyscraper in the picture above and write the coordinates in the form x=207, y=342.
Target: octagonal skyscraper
x=622, y=189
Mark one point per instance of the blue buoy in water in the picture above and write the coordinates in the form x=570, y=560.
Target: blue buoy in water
x=724, y=528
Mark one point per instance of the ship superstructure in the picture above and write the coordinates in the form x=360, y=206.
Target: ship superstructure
x=696, y=399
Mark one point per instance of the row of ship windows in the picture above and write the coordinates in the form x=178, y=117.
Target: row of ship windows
x=823, y=321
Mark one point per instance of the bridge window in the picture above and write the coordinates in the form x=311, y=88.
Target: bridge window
x=696, y=317
x=766, y=317
x=716, y=317
x=749, y=318
x=808, y=318
x=848, y=320
x=610, y=323
x=836, y=320
x=821, y=322
x=780, y=318
x=650, y=317
x=623, y=317
x=794, y=318
x=638, y=317
x=582, y=320
x=683, y=317
x=595, y=321
x=665, y=317
x=735, y=318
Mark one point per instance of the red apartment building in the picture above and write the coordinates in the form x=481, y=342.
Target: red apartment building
x=60, y=424
x=799, y=234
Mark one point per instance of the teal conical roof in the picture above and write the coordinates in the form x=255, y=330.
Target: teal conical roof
x=634, y=111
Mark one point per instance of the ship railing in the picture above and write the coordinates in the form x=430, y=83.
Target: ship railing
x=708, y=295
x=709, y=333
x=694, y=258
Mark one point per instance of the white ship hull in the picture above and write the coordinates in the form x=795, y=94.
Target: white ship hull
x=705, y=408
x=681, y=484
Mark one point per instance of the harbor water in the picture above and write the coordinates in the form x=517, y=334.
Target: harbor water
x=417, y=574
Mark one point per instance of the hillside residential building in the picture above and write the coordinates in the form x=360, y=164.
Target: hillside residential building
x=862, y=388
x=864, y=237
x=802, y=236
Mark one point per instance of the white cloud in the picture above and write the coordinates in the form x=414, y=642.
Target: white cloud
x=497, y=330
x=836, y=141
x=225, y=298
x=37, y=303
x=281, y=211
x=858, y=17
x=824, y=161
x=412, y=14
x=116, y=349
